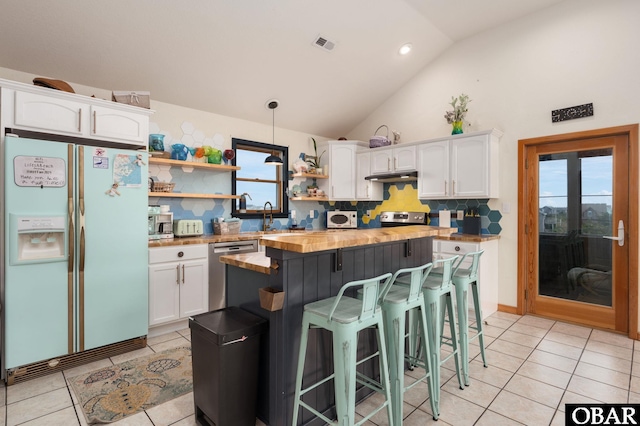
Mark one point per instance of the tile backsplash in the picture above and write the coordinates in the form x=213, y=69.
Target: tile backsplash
x=397, y=196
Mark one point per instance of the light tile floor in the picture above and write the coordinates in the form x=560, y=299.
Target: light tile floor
x=536, y=366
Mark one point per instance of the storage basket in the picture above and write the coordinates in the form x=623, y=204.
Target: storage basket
x=139, y=99
x=163, y=186
x=226, y=228
x=378, y=141
x=271, y=299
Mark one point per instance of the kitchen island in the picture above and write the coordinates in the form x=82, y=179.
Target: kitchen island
x=307, y=267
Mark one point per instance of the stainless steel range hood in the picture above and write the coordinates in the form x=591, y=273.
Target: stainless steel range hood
x=394, y=177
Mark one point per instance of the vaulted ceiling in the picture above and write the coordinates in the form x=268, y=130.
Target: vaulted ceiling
x=230, y=57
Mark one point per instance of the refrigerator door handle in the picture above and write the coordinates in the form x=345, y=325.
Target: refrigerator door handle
x=81, y=254
x=72, y=251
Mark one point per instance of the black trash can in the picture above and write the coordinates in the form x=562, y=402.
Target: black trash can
x=225, y=346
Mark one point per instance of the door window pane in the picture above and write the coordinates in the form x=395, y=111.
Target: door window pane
x=552, y=199
x=574, y=212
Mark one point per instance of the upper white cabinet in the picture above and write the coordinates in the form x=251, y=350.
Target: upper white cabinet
x=341, y=158
x=52, y=111
x=366, y=190
x=43, y=113
x=390, y=160
x=463, y=166
x=122, y=125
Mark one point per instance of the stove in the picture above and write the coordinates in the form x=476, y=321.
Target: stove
x=388, y=219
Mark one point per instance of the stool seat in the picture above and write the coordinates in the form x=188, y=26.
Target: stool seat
x=347, y=310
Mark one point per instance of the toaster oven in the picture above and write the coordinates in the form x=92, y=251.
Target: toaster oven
x=342, y=219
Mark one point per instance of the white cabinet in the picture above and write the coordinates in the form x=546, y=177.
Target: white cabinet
x=391, y=160
x=42, y=113
x=114, y=124
x=488, y=269
x=433, y=170
x=178, y=282
x=45, y=110
x=341, y=159
x=366, y=190
x=463, y=166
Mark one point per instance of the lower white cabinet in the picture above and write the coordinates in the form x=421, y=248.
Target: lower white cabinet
x=488, y=269
x=178, y=282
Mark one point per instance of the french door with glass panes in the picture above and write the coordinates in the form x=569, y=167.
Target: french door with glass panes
x=576, y=218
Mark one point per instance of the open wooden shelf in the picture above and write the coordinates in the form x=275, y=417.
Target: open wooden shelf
x=208, y=166
x=309, y=175
x=309, y=198
x=189, y=195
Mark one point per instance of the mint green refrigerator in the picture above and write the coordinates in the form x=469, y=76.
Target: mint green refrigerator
x=75, y=275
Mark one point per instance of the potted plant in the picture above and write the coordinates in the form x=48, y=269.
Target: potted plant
x=311, y=189
x=314, y=162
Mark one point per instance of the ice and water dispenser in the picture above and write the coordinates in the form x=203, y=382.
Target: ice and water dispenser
x=37, y=239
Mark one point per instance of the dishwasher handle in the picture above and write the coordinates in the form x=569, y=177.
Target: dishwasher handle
x=234, y=249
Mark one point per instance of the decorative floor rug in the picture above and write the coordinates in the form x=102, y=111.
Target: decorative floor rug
x=112, y=393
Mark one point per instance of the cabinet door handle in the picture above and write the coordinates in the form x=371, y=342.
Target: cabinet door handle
x=453, y=187
x=178, y=274
x=388, y=164
x=368, y=190
x=94, y=122
x=445, y=187
x=80, y=120
x=395, y=163
x=183, y=273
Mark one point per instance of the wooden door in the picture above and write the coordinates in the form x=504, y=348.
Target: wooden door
x=575, y=192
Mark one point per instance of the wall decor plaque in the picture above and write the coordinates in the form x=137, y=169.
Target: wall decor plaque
x=578, y=111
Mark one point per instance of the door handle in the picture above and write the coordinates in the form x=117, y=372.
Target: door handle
x=620, y=237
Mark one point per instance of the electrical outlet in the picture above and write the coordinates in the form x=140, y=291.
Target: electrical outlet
x=369, y=213
x=312, y=214
x=293, y=214
x=460, y=215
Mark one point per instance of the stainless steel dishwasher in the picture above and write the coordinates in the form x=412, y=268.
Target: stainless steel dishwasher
x=217, y=278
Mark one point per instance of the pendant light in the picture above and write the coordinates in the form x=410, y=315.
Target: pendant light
x=273, y=159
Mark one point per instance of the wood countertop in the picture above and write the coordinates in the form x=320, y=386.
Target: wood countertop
x=257, y=262
x=311, y=241
x=468, y=237
x=308, y=242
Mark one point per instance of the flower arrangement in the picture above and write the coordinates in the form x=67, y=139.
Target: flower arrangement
x=459, y=109
x=456, y=117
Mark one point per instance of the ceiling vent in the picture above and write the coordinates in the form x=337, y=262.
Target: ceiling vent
x=324, y=44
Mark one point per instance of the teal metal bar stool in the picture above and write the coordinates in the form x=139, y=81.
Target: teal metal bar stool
x=436, y=291
x=396, y=301
x=346, y=316
x=463, y=278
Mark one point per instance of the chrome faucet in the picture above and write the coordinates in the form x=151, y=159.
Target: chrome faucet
x=265, y=225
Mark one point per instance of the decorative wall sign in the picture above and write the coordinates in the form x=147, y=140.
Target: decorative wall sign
x=570, y=113
x=47, y=172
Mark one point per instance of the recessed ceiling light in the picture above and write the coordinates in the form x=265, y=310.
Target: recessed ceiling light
x=406, y=48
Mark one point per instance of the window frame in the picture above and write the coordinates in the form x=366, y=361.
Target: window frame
x=267, y=148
